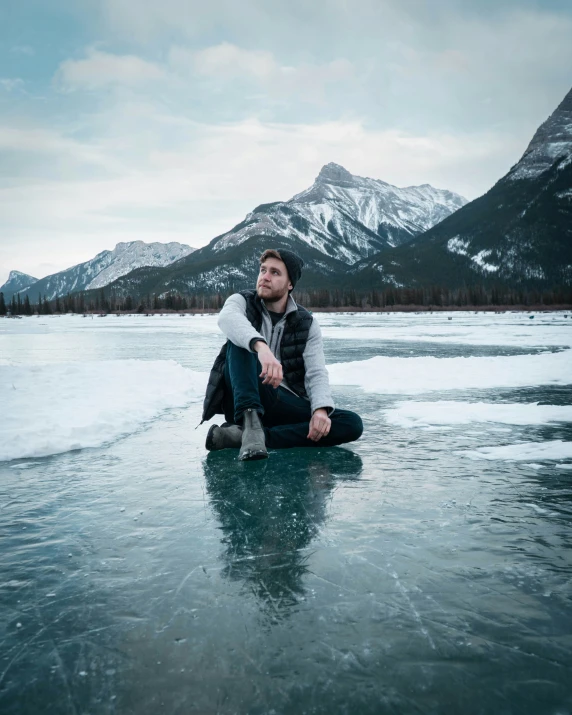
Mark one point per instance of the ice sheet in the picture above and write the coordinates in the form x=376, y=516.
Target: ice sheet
x=523, y=451
x=171, y=323
x=446, y=412
x=390, y=574
x=391, y=375
x=469, y=328
x=509, y=329
x=49, y=409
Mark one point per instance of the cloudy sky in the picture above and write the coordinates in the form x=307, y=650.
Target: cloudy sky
x=168, y=120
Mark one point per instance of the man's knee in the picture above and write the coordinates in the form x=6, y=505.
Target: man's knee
x=350, y=423
x=355, y=427
x=236, y=351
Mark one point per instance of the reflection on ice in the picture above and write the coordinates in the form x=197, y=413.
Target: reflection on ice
x=269, y=516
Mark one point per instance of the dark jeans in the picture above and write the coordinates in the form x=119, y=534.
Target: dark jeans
x=285, y=416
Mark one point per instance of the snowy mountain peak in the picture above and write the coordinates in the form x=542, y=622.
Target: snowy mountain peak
x=14, y=275
x=17, y=281
x=123, y=246
x=126, y=256
x=334, y=174
x=552, y=141
x=346, y=217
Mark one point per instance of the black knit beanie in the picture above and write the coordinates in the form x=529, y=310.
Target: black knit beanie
x=293, y=263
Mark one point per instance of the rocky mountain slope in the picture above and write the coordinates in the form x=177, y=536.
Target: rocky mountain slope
x=16, y=282
x=107, y=267
x=519, y=233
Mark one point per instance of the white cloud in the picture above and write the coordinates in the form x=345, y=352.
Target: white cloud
x=23, y=50
x=448, y=63
x=11, y=83
x=39, y=142
x=227, y=62
x=249, y=161
x=143, y=20
x=100, y=69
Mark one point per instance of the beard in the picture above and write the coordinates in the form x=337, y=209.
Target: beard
x=269, y=294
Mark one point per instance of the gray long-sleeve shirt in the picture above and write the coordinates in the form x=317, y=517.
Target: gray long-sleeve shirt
x=237, y=328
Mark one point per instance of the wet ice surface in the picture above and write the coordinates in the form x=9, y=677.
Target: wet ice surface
x=400, y=574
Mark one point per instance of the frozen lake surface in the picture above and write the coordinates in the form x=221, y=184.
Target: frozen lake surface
x=426, y=568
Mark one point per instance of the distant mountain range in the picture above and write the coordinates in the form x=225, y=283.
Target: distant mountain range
x=335, y=223
x=361, y=233
x=100, y=271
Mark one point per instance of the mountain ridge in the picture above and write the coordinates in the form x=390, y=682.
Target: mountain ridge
x=104, y=268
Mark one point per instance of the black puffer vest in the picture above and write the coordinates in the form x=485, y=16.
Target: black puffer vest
x=292, y=346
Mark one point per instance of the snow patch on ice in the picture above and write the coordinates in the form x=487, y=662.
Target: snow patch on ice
x=49, y=409
x=523, y=451
x=447, y=412
x=392, y=375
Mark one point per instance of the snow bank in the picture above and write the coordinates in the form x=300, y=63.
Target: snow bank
x=444, y=412
x=556, y=449
x=393, y=375
x=48, y=409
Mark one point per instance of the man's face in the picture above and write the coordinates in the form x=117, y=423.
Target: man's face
x=273, y=282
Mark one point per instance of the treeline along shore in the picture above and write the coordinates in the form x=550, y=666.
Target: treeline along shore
x=393, y=299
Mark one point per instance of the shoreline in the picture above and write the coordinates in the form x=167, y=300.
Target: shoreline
x=345, y=309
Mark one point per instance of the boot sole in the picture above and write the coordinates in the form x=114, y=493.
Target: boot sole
x=259, y=454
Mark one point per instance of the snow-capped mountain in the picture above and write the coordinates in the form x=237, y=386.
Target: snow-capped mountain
x=518, y=233
x=107, y=267
x=16, y=282
x=347, y=217
x=234, y=269
x=127, y=256
x=337, y=221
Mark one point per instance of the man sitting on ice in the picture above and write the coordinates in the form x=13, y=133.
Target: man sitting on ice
x=270, y=379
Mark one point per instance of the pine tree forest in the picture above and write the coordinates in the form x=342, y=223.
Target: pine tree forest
x=388, y=299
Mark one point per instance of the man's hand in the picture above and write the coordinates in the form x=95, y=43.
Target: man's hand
x=271, y=368
x=319, y=424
